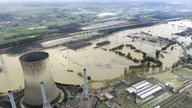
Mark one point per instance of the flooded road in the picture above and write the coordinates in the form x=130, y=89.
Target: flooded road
x=100, y=64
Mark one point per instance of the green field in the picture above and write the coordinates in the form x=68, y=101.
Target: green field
x=189, y=106
x=121, y=89
x=157, y=100
x=40, y=16
x=102, y=105
x=177, y=100
x=24, y=16
x=184, y=72
x=169, y=77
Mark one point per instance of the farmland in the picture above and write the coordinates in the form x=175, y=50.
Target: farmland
x=24, y=21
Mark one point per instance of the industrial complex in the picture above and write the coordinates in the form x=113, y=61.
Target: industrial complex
x=41, y=90
x=143, y=92
x=36, y=69
x=96, y=56
x=144, y=85
x=143, y=89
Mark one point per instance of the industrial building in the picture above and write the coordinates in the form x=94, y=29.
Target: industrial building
x=107, y=95
x=86, y=100
x=36, y=69
x=75, y=102
x=103, y=95
x=40, y=89
x=143, y=89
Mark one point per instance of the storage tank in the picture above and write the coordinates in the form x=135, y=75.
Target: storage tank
x=36, y=69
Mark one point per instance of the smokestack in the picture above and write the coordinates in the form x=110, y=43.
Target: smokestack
x=86, y=92
x=36, y=69
x=11, y=98
x=46, y=103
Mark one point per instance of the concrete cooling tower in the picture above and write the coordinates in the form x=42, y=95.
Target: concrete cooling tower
x=36, y=69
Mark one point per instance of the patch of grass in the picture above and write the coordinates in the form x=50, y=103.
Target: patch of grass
x=185, y=72
x=183, y=100
x=57, y=22
x=113, y=80
x=189, y=106
x=175, y=106
x=169, y=77
x=131, y=104
x=20, y=33
x=167, y=101
x=121, y=89
x=157, y=100
x=190, y=95
x=91, y=88
x=102, y=105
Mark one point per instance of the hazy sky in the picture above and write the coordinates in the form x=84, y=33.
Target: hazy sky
x=39, y=0
x=6, y=1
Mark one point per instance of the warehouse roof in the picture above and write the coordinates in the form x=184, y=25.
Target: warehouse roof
x=150, y=92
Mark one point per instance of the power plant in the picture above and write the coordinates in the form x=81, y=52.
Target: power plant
x=87, y=100
x=42, y=92
x=36, y=69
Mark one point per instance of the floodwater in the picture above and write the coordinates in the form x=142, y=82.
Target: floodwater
x=100, y=64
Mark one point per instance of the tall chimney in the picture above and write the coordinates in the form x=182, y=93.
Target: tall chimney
x=86, y=92
x=46, y=103
x=36, y=69
x=11, y=98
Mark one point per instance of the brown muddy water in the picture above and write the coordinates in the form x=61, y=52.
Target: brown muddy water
x=100, y=64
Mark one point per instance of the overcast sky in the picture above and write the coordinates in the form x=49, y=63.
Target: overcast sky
x=39, y=0
x=6, y=1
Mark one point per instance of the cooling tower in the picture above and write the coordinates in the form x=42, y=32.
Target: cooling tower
x=36, y=69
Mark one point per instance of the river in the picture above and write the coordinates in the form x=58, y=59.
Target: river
x=100, y=64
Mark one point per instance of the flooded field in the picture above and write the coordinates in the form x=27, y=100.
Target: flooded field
x=100, y=64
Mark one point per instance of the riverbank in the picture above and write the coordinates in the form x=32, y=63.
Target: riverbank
x=45, y=38
x=100, y=64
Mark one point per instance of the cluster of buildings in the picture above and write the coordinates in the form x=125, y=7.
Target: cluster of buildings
x=140, y=90
x=41, y=90
x=106, y=97
x=143, y=89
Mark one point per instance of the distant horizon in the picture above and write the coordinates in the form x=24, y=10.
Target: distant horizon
x=104, y=1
